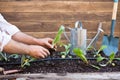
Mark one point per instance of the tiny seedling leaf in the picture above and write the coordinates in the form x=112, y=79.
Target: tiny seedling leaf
x=100, y=58
x=95, y=66
x=14, y=56
x=117, y=59
x=101, y=48
x=111, y=57
x=80, y=54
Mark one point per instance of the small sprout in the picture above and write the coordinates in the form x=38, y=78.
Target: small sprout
x=80, y=54
x=111, y=57
x=3, y=56
x=25, y=60
x=67, y=50
x=101, y=48
x=110, y=60
x=100, y=58
x=98, y=68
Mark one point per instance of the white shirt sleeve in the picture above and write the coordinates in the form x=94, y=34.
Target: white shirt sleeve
x=6, y=31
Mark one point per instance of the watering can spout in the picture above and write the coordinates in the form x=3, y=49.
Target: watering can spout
x=96, y=36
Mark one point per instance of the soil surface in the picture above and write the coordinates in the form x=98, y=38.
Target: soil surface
x=54, y=64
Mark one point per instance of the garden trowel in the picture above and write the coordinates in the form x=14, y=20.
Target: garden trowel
x=110, y=41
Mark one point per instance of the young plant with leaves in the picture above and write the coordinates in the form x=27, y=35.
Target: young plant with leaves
x=58, y=36
x=4, y=56
x=25, y=60
x=109, y=60
x=81, y=55
x=67, y=50
x=98, y=55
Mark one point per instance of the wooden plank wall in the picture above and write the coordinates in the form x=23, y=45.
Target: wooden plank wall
x=42, y=18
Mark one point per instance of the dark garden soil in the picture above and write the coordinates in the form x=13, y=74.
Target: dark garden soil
x=54, y=64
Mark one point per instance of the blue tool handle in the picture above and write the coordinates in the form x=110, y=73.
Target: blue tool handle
x=115, y=7
x=116, y=0
x=112, y=27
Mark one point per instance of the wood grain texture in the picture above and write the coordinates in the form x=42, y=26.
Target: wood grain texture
x=64, y=76
x=54, y=26
x=58, y=16
x=52, y=6
x=42, y=18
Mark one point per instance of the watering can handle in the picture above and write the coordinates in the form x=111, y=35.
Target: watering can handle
x=78, y=24
x=66, y=34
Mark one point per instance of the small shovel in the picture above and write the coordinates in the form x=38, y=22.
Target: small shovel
x=111, y=42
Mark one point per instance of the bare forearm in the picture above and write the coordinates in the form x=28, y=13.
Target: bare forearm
x=24, y=38
x=16, y=47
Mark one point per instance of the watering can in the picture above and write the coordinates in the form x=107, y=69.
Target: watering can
x=78, y=37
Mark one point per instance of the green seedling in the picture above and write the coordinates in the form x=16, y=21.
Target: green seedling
x=110, y=60
x=15, y=56
x=81, y=55
x=100, y=58
x=58, y=36
x=3, y=56
x=98, y=55
x=101, y=49
x=67, y=50
x=25, y=60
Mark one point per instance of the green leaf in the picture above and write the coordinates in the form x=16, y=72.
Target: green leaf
x=80, y=54
x=100, y=58
x=95, y=66
x=4, y=56
x=111, y=57
x=22, y=60
x=32, y=59
x=14, y=56
x=117, y=58
x=102, y=48
x=28, y=64
x=58, y=36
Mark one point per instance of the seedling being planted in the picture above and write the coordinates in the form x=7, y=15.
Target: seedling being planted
x=58, y=36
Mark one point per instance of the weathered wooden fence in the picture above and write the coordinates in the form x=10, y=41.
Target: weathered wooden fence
x=42, y=18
